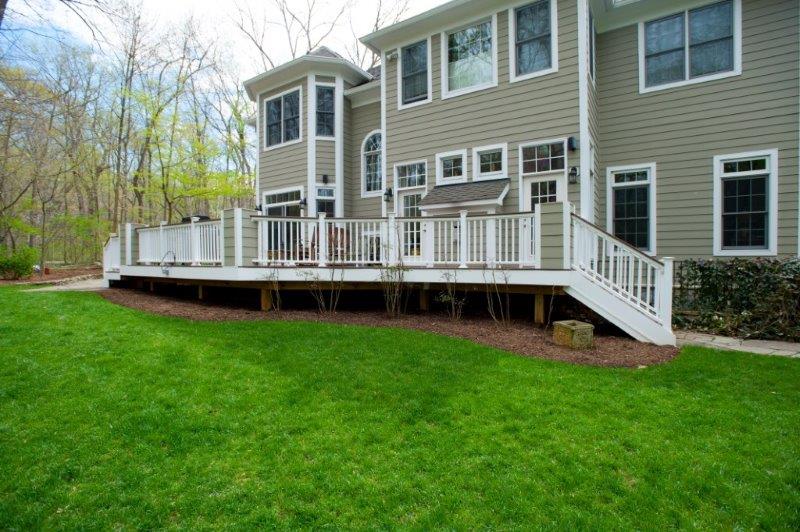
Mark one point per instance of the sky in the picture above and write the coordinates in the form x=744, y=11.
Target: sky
x=215, y=18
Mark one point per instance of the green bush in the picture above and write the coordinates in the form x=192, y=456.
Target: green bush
x=18, y=264
x=748, y=298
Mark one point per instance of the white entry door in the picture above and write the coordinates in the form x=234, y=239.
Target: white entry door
x=547, y=189
x=411, y=231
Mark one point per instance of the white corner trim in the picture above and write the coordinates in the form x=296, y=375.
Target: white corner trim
x=311, y=151
x=512, y=44
x=688, y=80
x=384, y=139
x=476, y=163
x=339, y=146
x=446, y=92
x=772, y=191
x=440, y=180
x=400, y=104
x=585, y=136
x=651, y=198
x=377, y=193
x=263, y=141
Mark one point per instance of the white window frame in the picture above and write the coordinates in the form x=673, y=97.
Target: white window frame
x=398, y=189
x=364, y=192
x=534, y=143
x=299, y=139
x=651, y=198
x=316, y=111
x=270, y=192
x=400, y=104
x=446, y=92
x=512, y=43
x=737, y=52
x=440, y=179
x=476, y=162
x=772, y=202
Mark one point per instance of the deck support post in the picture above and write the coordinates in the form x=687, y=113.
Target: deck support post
x=200, y=293
x=266, y=299
x=538, y=309
x=424, y=299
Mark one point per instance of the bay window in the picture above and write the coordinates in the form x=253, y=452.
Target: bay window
x=282, y=118
x=325, y=111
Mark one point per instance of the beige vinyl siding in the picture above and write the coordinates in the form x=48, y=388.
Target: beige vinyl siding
x=326, y=160
x=541, y=108
x=363, y=120
x=682, y=129
x=284, y=166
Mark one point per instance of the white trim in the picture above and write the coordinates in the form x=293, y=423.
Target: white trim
x=440, y=180
x=263, y=141
x=384, y=139
x=339, y=144
x=311, y=151
x=591, y=28
x=476, y=164
x=772, y=191
x=688, y=80
x=416, y=187
x=584, y=133
x=374, y=193
x=400, y=104
x=317, y=136
x=259, y=140
x=651, y=198
x=446, y=92
x=512, y=43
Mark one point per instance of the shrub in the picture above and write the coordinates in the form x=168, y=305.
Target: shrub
x=749, y=298
x=18, y=264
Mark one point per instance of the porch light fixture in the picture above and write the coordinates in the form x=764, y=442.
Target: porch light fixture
x=303, y=202
x=573, y=175
x=324, y=179
x=572, y=144
x=388, y=195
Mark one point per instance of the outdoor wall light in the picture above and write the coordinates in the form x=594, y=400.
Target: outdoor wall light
x=324, y=179
x=572, y=144
x=303, y=202
x=573, y=175
x=388, y=195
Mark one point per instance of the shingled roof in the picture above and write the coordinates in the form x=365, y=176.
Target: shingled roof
x=463, y=193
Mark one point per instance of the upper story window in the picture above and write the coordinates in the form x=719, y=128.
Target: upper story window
x=745, y=204
x=533, y=39
x=695, y=45
x=371, y=165
x=414, y=73
x=325, y=111
x=470, y=59
x=282, y=117
x=410, y=175
x=489, y=162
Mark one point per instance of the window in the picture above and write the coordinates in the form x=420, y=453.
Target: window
x=412, y=231
x=326, y=201
x=543, y=192
x=631, y=200
x=282, y=118
x=546, y=157
x=371, y=165
x=410, y=175
x=489, y=162
x=470, y=59
x=414, y=73
x=533, y=39
x=325, y=111
x=283, y=202
x=694, y=45
x=451, y=167
x=745, y=204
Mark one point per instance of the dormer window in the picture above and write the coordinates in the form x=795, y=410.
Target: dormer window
x=470, y=59
x=282, y=117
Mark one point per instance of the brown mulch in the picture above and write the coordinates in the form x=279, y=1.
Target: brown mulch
x=57, y=274
x=519, y=337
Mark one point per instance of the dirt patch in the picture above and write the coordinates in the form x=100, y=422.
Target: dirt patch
x=519, y=337
x=58, y=274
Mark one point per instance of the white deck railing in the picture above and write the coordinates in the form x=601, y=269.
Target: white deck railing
x=193, y=243
x=631, y=275
x=453, y=241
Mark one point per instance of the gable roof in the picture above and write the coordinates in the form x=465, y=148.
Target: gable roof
x=474, y=192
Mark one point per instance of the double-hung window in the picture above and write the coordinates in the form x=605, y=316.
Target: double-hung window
x=414, y=73
x=282, y=119
x=690, y=46
x=631, y=213
x=325, y=111
x=411, y=175
x=745, y=204
x=489, y=162
x=469, y=58
x=533, y=42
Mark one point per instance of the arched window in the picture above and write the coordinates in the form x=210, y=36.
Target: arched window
x=371, y=167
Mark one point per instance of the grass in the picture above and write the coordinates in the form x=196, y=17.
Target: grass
x=110, y=417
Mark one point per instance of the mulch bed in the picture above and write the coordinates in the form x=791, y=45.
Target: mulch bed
x=519, y=337
x=57, y=274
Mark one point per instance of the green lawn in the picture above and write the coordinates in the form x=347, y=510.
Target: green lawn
x=114, y=418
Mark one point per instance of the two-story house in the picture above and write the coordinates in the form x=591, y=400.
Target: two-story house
x=581, y=144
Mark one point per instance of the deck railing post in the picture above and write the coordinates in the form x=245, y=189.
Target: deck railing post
x=665, y=311
x=161, y=245
x=322, y=240
x=194, y=240
x=491, y=242
x=428, y=243
x=463, y=243
x=392, y=238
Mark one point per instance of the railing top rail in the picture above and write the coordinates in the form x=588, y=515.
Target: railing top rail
x=619, y=241
x=454, y=217
x=187, y=224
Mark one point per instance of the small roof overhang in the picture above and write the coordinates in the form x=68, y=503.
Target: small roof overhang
x=487, y=194
x=369, y=92
x=301, y=66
